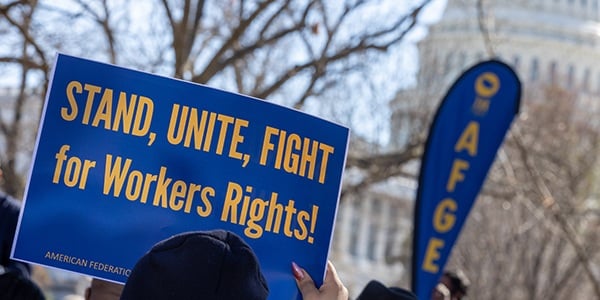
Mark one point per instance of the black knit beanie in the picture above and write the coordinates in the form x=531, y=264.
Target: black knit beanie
x=197, y=265
x=375, y=290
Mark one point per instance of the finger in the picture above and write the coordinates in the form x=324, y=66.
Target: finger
x=305, y=283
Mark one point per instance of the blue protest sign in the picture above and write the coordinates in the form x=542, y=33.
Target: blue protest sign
x=125, y=159
x=467, y=130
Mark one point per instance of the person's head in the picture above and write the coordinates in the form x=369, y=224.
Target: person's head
x=452, y=286
x=375, y=290
x=103, y=290
x=15, y=286
x=198, y=265
x=441, y=292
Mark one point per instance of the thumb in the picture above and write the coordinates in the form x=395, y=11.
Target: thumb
x=331, y=276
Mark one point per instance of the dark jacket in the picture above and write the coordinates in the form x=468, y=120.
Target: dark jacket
x=9, y=216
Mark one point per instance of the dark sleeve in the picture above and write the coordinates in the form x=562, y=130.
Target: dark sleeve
x=9, y=216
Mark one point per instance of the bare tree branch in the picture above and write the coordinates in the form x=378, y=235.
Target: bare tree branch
x=547, y=199
x=104, y=22
x=215, y=64
x=184, y=31
x=481, y=18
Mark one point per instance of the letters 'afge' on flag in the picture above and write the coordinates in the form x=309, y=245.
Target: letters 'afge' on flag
x=467, y=130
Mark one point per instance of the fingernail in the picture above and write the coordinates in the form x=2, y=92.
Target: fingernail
x=297, y=271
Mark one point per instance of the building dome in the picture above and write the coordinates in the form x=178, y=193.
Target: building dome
x=545, y=41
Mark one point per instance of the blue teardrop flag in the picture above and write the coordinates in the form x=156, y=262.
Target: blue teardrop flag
x=469, y=126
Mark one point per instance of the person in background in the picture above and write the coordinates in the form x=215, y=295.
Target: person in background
x=214, y=265
x=208, y=265
x=15, y=286
x=452, y=286
x=9, y=216
x=441, y=292
x=375, y=290
x=15, y=276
